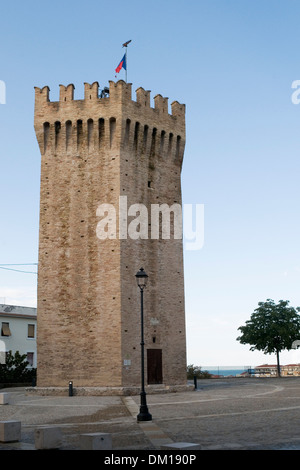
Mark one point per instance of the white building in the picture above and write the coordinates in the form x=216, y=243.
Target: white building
x=18, y=332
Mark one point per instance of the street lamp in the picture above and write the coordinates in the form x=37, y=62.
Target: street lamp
x=144, y=415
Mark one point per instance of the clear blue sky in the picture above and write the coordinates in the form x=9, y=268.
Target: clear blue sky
x=232, y=63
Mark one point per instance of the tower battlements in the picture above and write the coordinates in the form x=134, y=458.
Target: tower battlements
x=115, y=117
x=118, y=92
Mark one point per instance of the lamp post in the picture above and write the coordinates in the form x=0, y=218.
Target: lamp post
x=144, y=415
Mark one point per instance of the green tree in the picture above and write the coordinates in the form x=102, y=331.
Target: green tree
x=196, y=371
x=15, y=369
x=272, y=328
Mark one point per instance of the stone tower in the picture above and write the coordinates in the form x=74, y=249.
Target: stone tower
x=117, y=151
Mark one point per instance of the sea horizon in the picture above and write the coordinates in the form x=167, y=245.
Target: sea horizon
x=225, y=370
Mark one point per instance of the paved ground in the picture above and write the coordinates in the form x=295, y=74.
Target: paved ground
x=222, y=414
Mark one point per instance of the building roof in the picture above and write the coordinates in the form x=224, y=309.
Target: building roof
x=270, y=366
x=266, y=365
x=17, y=311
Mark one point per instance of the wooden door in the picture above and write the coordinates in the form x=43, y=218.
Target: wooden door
x=154, y=366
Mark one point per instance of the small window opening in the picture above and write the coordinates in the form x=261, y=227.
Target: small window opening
x=31, y=331
x=5, y=331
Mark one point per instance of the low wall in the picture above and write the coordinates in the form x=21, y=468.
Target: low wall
x=106, y=391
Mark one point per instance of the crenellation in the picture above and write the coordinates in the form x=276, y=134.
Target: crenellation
x=143, y=97
x=92, y=107
x=91, y=92
x=161, y=103
x=178, y=109
x=119, y=91
x=42, y=94
x=66, y=93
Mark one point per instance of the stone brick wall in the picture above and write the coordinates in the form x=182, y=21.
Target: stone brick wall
x=92, y=152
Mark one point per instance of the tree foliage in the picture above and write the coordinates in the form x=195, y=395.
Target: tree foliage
x=195, y=371
x=15, y=369
x=272, y=328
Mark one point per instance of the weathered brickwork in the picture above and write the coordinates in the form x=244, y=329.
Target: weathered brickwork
x=93, y=151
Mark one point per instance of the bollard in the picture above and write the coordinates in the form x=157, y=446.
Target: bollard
x=96, y=441
x=10, y=431
x=70, y=389
x=4, y=398
x=195, y=382
x=47, y=438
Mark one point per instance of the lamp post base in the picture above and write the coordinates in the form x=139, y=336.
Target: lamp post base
x=144, y=414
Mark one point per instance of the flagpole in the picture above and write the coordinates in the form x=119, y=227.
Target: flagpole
x=126, y=64
x=125, y=45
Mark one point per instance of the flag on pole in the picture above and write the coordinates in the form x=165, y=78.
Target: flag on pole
x=122, y=64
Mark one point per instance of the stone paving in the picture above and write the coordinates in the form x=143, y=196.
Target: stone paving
x=222, y=414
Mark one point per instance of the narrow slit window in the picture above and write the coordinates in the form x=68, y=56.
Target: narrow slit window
x=57, y=133
x=153, y=141
x=79, y=132
x=68, y=133
x=90, y=124
x=145, y=137
x=112, y=128
x=170, y=144
x=101, y=130
x=178, y=147
x=127, y=131
x=46, y=135
x=136, y=135
x=162, y=142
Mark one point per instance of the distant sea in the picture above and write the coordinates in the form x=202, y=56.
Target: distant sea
x=225, y=371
